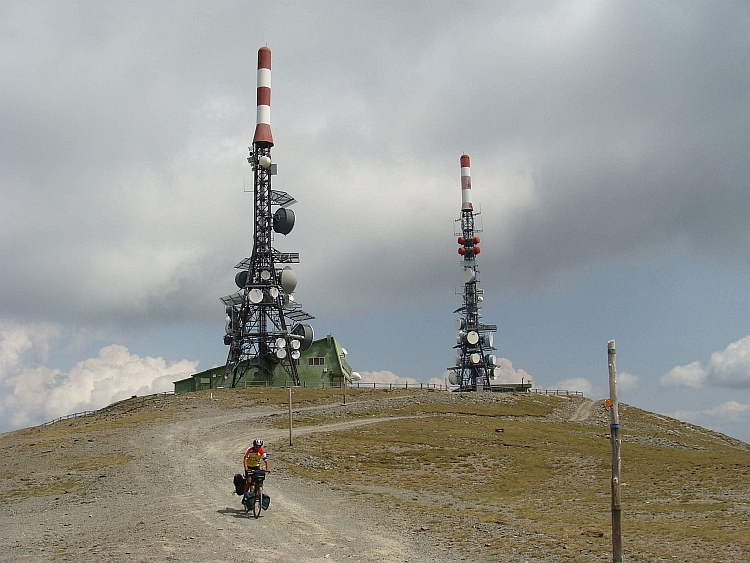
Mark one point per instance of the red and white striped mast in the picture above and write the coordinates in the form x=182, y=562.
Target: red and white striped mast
x=263, y=320
x=474, y=366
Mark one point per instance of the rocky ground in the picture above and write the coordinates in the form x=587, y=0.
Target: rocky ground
x=158, y=489
x=150, y=479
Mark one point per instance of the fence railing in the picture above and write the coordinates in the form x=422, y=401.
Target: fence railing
x=340, y=385
x=322, y=385
x=143, y=398
x=67, y=417
x=557, y=392
x=363, y=385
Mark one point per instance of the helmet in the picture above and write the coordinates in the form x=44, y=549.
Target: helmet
x=257, y=442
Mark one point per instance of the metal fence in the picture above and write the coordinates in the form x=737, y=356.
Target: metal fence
x=557, y=392
x=143, y=398
x=324, y=385
x=67, y=417
x=340, y=385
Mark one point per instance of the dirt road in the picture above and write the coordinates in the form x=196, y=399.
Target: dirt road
x=174, y=501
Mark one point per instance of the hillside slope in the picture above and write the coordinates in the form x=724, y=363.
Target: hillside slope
x=390, y=476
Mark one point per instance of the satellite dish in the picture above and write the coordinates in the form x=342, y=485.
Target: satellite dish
x=480, y=299
x=488, y=339
x=491, y=359
x=355, y=376
x=273, y=292
x=467, y=275
x=344, y=351
x=281, y=353
x=460, y=324
x=496, y=372
x=255, y=295
x=305, y=334
x=265, y=275
x=288, y=279
x=453, y=378
x=283, y=221
x=264, y=161
x=241, y=279
x=295, y=354
x=294, y=344
x=280, y=343
x=472, y=337
x=475, y=358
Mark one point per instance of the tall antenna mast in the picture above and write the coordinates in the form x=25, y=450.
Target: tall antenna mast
x=474, y=366
x=264, y=323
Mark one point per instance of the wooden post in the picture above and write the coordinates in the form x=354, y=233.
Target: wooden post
x=614, y=439
x=290, y=416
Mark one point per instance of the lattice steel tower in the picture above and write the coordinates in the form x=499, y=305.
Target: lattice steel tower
x=474, y=365
x=264, y=323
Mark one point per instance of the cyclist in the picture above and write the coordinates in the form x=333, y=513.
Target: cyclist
x=253, y=456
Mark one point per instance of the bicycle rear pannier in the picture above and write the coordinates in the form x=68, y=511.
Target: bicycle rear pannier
x=239, y=484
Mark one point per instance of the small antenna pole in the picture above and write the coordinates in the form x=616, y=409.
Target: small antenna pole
x=290, y=416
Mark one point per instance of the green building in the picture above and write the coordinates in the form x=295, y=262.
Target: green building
x=323, y=364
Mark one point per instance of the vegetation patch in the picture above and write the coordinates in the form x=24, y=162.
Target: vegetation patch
x=497, y=479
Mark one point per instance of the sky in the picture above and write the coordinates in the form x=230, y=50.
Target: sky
x=609, y=159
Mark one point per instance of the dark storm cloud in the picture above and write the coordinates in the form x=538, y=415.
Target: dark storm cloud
x=598, y=132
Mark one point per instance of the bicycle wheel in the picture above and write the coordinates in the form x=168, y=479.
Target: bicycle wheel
x=257, y=504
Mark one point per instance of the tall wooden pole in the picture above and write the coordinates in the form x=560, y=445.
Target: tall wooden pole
x=614, y=439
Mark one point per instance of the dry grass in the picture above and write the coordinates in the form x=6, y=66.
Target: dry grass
x=541, y=482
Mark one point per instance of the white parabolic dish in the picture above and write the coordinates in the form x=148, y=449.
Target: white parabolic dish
x=288, y=279
x=467, y=275
x=256, y=295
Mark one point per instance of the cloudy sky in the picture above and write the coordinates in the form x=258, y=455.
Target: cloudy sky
x=610, y=160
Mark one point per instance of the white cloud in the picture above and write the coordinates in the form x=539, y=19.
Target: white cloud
x=385, y=377
x=727, y=368
x=692, y=375
x=627, y=381
x=506, y=373
x=576, y=384
x=33, y=393
x=729, y=412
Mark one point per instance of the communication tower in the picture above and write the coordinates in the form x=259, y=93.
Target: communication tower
x=474, y=365
x=264, y=324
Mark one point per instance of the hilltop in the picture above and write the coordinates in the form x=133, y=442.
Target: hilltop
x=393, y=475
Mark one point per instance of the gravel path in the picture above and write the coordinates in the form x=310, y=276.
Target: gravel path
x=175, y=502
